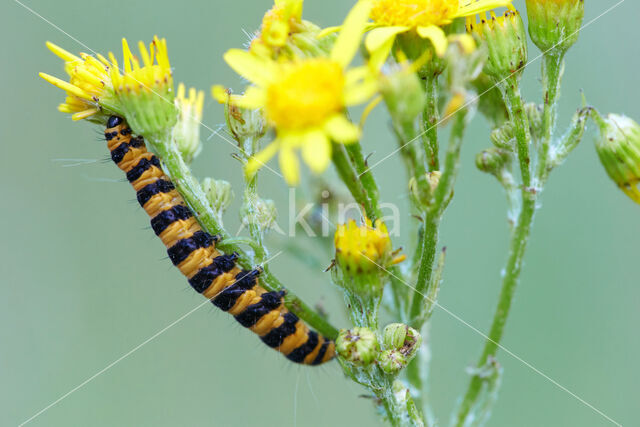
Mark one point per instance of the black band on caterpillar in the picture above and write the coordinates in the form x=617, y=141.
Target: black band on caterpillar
x=211, y=273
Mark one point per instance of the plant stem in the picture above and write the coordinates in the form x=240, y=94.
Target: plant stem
x=190, y=189
x=552, y=65
x=353, y=182
x=512, y=270
x=511, y=92
x=354, y=150
x=433, y=216
x=430, y=121
x=425, y=271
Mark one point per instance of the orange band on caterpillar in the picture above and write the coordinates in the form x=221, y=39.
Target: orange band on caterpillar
x=193, y=251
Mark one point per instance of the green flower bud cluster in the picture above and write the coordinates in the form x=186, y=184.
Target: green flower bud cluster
x=401, y=344
x=358, y=346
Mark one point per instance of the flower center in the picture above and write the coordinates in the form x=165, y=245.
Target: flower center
x=306, y=94
x=414, y=13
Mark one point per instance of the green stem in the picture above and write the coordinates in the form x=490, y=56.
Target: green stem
x=194, y=196
x=512, y=270
x=430, y=121
x=433, y=216
x=511, y=93
x=425, y=271
x=551, y=76
x=354, y=152
x=350, y=178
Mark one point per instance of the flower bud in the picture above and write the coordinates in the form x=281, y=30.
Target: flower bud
x=618, y=147
x=534, y=114
x=242, y=123
x=402, y=338
x=503, y=137
x=493, y=160
x=260, y=212
x=490, y=102
x=392, y=361
x=186, y=132
x=403, y=93
x=506, y=41
x=432, y=180
x=220, y=195
x=358, y=346
x=555, y=24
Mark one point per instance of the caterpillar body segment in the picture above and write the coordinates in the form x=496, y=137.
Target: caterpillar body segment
x=193, y=251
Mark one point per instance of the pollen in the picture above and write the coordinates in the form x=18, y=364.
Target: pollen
x=306, y=94
x=414, y=13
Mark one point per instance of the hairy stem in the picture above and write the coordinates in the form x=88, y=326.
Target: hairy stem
x=353, y=182
x=430, y=121
x=517, y=246
x=195, y=197
x=433, y=216
x=512, y=270
x=354, y=152
x=511, y=92
x=551, y=76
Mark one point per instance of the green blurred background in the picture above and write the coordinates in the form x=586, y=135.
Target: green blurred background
x=84, y=281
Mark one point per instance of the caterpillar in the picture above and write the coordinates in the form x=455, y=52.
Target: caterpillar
x=214, y=275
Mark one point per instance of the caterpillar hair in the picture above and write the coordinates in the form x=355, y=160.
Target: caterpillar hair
x=210, y=273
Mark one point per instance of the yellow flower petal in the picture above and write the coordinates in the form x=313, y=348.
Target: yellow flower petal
x=466, y=41
x=251, y=67
x=378, y=37
x=68, y=87
x=316, y=150
x=261, y=158
x=359, y=92
x=437, y=37
x=342, y=130
x=348, y=40
x=289, y=165
x=475, y=7
x=329, y=30
x=253, y=97
x=61, y=53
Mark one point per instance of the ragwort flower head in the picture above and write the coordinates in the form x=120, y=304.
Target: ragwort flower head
x=304, y=99
x=365, y=248
x=421, y=18
x=145, y=89
x=284, y=34
x=89, y=89
x=284, y=18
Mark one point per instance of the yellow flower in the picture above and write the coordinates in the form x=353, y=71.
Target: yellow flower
x=145, y=89
x=305, y=99
x=425, y=18
x=364, y=248
x=283, y=19
x=89, y=88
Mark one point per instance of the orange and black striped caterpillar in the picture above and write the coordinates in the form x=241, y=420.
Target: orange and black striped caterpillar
x=193, y=251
